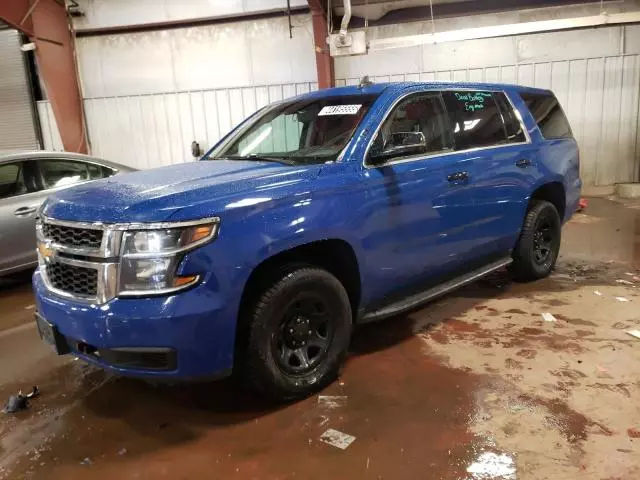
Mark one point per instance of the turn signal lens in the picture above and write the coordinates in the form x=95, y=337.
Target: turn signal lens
x=201, y=232
x=181, y=281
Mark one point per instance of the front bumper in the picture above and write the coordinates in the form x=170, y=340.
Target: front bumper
x=188, y=335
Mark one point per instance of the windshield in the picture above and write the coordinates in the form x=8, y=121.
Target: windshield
x=299, y=132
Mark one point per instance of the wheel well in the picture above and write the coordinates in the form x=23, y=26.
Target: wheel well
x=335, y=256
x=552, y=192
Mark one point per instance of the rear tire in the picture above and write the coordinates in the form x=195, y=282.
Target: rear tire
x=537, y=250
x=298, y=333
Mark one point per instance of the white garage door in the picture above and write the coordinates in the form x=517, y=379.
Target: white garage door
x=17, y=130
x=594, y=72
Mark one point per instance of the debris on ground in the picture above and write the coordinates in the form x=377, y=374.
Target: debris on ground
x=582, y=204
x=633, y=432
x=597, y=292
x=337, y=439
x=332, y=401
x=622, y=299
x=492, y=465
x=20, y=402
x=602, y=369
x=634, y=333
x=547, y=317
x=624, y=282
x=122, y=451
x=86, y=461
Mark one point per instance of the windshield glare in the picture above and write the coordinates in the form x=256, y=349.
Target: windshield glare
x=300, y=132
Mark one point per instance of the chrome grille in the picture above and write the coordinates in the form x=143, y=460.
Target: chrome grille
x=72, y=236
x=72, y=279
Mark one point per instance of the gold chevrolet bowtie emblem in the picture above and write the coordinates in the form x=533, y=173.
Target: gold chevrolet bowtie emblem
x=46, y=252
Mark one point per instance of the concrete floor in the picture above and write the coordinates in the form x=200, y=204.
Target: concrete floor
x=474, y=386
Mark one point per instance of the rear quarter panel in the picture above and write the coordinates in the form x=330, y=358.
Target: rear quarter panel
x=557, y=160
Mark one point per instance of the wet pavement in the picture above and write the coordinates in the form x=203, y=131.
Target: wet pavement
x=475, y=386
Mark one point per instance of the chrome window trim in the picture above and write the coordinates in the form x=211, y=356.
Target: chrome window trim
x=412, y=158
x=108, y=280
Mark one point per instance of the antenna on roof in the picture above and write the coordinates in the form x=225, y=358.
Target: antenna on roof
x=365, y=82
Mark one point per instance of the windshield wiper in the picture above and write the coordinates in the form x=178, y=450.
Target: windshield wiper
x=253, y=156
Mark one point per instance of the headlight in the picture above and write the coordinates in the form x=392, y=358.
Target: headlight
x=150, y=258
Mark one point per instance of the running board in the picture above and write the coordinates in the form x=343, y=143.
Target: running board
x=422, y=297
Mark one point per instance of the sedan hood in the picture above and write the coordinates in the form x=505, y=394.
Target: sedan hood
x=178, y=192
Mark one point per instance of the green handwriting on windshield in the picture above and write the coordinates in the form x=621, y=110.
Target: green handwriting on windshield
x=472, y=100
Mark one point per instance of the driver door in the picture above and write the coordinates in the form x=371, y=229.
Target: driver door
x=420, y=200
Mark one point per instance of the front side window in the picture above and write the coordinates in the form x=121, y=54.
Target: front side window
x=417, y=125
x=474, y=118
x=12, y=181
x=299, y=132
x=548, y=114
x=60, y=173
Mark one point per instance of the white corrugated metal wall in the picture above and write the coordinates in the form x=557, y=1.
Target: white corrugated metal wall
x=146, y=131
x=594, y=72
x=150, y=94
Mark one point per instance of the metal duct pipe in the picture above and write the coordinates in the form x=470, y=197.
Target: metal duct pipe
x=346, y=18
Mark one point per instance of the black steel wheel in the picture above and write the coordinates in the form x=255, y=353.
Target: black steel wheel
x=305, y=334
x=537, y=250
x=298, y=333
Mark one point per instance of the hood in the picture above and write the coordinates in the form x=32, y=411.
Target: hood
x=178, y=192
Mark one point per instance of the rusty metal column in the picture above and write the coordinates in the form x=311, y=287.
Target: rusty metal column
x=324, y=61
x=46, y=24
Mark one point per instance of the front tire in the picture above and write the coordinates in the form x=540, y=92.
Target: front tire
x=298, y=334
x=537, y=250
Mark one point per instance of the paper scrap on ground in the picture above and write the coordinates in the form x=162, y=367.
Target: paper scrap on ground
x=547, y=317
x=491, y=465
x=634, y=333
x=332, y=401
x=597, y=292
x=622, y=299
x=624, y=282
x=337, y=439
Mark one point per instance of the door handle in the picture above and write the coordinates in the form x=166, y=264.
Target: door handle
x=523, y=163
x=458, y=177
x=24, y=211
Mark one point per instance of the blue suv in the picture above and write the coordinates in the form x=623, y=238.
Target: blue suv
x=315, y=214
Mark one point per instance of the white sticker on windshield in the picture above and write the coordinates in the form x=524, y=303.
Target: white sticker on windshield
x=339, y=110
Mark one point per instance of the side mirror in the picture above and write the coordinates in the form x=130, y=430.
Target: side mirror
x=401, y=144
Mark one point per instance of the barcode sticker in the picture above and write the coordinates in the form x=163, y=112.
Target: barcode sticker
x=339, y=110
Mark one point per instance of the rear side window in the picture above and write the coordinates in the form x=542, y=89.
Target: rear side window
x=99, y=171
x=59, y=173
x=548, y=114
x=474, y=118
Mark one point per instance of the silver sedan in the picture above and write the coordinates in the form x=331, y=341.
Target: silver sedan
x=26, y=179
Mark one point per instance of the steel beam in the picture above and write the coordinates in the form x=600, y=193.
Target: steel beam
x=324, y=61
x=45, y=22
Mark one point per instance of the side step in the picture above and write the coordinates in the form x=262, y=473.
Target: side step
x=422, y=297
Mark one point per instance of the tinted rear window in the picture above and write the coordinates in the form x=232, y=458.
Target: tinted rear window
x=474, y=118
x=548, y=115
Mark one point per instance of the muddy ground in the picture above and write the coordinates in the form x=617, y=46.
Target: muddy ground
x=475, y=386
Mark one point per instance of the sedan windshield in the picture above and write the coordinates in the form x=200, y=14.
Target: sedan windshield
x=299, y=132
